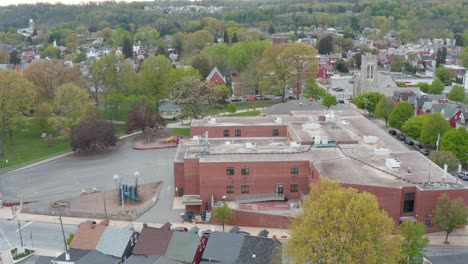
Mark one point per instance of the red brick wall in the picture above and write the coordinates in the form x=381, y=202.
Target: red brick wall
x=388, y=198
x=246, y=131
x=255, y=219
x=191, y=177
x=217, y=79
x=179, y=180
x=426, y=201
x=262, y=178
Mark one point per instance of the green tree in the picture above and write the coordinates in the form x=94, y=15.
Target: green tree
x=14, y=57
x=72, y=42
x=441, y=56
x=449, y=214
x=384, y=108
x=328, y=100
x=457, y=93
x=312, y=89
x=413, y=126
x=342, y=225
x=302, y=62
x=52, y=52
x=325, y=45
x=437, y=87
x=424, y=87
x=402, y=112
x=398, y=64
x=154, y=74
x=231, y=108
x=119, y=36
x=456, y=141
x=445, y=75
x=92, y=134
x=16, y=96
x=435, y=125
x=444, y=157
x=194, y=95
x=127, y=48
x=223, y=214
x=368, y=101
x=413, y=242
x=464, y=57
x=71, y=102
x=147, y=35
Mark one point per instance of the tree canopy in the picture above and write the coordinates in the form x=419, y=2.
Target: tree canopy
x=414, y=242
x=450, y=214
x=457, y=93
x=435, y=125
x=384, y=108
x=368, y=100
x=342, y=225
x=456, y=141
x=223, y=214
x=402, y=112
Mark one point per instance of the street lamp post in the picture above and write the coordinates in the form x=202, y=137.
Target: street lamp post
x=116, y=179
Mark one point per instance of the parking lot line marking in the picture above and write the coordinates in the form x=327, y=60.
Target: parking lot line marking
x=24, y=226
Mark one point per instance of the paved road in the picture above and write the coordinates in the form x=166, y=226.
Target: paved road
x=44, y=236
x=444, y=250
x=66, y=177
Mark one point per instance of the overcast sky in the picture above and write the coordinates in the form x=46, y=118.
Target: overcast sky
x=14, y=2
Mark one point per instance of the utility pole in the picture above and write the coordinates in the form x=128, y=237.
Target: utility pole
x=63, y=231
x=20, y=235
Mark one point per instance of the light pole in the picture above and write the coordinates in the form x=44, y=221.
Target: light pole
x=224, y=200
x=116, y=179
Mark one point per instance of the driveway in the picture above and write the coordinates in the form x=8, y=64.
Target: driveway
x=67, y=176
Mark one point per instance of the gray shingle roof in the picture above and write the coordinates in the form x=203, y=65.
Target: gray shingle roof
x=183, y=246
x=168, y=106
x=114, y=240
x=75, y=255
x=137, y=259
x=96, y=257
x=259, y=250
x=448, y=110
x=223, y=247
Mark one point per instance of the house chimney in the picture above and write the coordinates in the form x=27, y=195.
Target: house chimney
x=145, y=225
x=445, y=172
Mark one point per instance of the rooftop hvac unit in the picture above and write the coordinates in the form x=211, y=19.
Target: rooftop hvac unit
x=324, y=140
x=212, y=121
x=295, y=144
x=196, y=139
x=278, y=120
x=250, y=145
x=317, y=140
x=382, y=151
x=344, y=123
x=312, y=126
x=370, y=139
x=393, y=164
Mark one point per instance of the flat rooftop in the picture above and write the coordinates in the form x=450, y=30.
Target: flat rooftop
x=249, y=121
x=361, y=159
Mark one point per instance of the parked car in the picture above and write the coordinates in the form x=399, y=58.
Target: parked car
x=336, y=89
x=424, y=151
x=409, y=142
x=187, y=216
x=180, y=229
x=392, y=132
x=463, y=175
x=341, y=101
x=401, y=137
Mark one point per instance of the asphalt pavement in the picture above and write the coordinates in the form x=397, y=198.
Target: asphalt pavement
x=67, y=176
x=35, y=235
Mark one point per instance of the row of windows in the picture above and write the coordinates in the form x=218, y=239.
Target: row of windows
x=294, y=188
x=245, y=170
x=238, y=133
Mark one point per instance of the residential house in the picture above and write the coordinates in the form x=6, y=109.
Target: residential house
x=79, y=256
x=153, y=241
x=137, y=259
x=88, y=235
x=118, y=242
x=183, y=246
x=215, y=77
x=235, y=248
x=453, y=113
x=280, y=38
x=169, y=110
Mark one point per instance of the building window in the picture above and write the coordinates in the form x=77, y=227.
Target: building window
x=229, y=171
x=244, y=189
x=294, y=169
x=428, y=223
x=370, y=72
x=275, y=132
x=226, y=133
x=230, y=189
x=237, y=133
x=245, y=170
x=408, y=205
x=294, y=188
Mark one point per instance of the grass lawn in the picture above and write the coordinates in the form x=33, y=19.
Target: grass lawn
x=181, y=131
x=29, y=147
x=120, y=130
x=249, y=113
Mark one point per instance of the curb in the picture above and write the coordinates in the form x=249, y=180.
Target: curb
x=165, y=147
